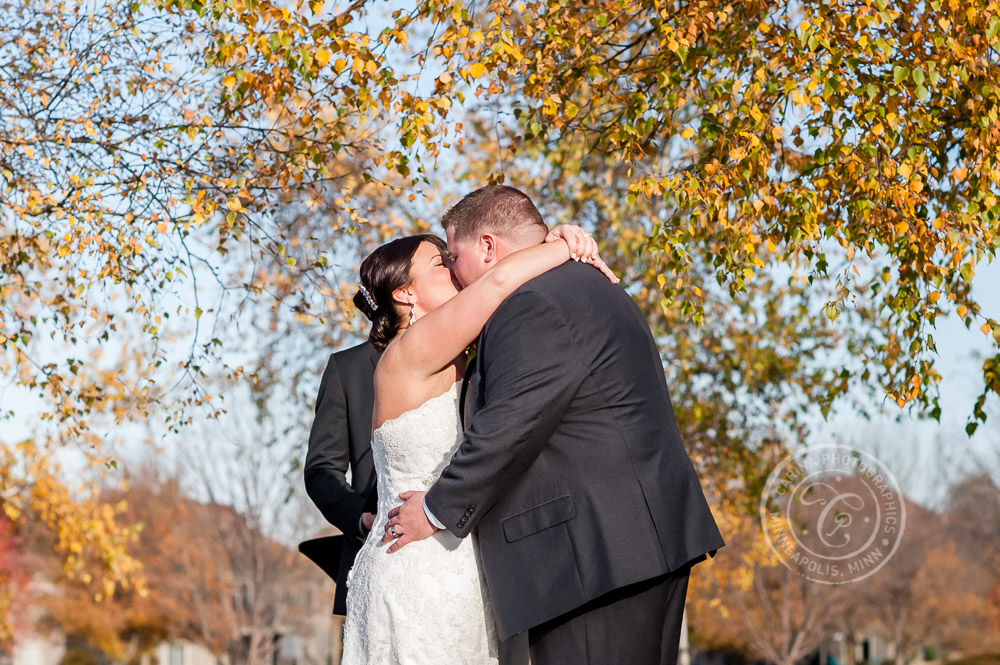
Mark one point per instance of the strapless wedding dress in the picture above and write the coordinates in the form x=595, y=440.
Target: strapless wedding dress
x=425, y=604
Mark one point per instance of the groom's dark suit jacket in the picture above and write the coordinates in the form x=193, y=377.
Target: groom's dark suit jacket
x=340, y=439
x=572, y=470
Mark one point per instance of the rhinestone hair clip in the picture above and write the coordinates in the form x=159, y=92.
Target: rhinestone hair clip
x=368, y=297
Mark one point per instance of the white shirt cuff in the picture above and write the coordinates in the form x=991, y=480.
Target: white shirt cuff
x=430, y=516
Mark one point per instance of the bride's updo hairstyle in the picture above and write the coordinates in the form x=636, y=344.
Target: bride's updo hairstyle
x=382, y=272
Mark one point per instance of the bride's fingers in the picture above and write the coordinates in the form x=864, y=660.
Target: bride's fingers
x=573, y=235
x=603, y=267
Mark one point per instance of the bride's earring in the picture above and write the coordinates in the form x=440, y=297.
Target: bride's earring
x=413, y=317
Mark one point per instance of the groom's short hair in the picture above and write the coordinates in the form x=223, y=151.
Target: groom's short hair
x=503, y=211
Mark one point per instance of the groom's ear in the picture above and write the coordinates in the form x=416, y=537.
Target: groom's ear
x=489, y=247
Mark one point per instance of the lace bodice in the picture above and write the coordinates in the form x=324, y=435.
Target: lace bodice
x=425, y=604
x=412, y=449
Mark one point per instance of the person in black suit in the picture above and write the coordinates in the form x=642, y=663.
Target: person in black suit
x=340, y=439
x=572, y=471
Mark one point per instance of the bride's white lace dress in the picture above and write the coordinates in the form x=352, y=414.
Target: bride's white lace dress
x=426, y=603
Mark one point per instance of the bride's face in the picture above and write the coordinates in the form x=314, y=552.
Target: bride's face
x=431, y=281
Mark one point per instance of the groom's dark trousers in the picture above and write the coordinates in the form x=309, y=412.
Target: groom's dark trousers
x=573, y=474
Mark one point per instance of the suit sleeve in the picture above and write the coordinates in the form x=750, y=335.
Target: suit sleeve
x=530, y=373
x=329, y=456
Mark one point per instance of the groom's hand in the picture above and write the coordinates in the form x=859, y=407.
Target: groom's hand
x=408, y=523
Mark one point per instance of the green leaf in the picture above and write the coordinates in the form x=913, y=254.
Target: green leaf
x=922, y=93
x=602, y=20
x=994, y=26
x=899, y=73
x=918, y=77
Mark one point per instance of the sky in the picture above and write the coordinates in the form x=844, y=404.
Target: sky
x=925, y=454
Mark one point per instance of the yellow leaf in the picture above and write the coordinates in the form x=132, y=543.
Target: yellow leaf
x=958, y=175
x=904, y=170
x=323, y=57
x=229, y=82
x=477, y=70
x=29, y=151
x=161, y=227
x=339, y=64
x=933, y=297
x=985, y=328
x=687, y=133
x=234, y=204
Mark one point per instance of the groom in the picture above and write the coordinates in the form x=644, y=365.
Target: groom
x=571, y=470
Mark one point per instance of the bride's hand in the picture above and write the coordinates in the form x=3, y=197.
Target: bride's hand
x=582, y=247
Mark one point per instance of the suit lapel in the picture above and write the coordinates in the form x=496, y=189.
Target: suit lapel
x=465, y=391
x=471, y=377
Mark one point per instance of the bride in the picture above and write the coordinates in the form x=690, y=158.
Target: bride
x=427, y=604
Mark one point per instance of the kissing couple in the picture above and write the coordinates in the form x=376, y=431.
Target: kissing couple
x=552, y=442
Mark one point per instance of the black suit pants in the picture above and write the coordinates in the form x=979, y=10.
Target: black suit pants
x=635, y=625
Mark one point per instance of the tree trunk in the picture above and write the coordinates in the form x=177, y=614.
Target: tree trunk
x=684, y=650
